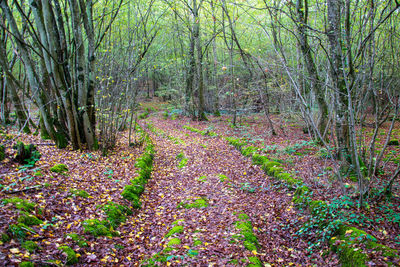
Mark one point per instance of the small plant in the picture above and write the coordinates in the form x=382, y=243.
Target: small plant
x=79, y=240
x=247, y=187
x=78, y=192
x=223, y=178
x=174, y=230
x=30, y=246
x=97, y=228
x=29, y=219
x=182, y=163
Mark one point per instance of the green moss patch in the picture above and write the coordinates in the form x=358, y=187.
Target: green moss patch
x=30, y=246
x=97, y=228
x=20, y=230
x=21, y=204
x=197, y=203
x=129, y=194
x=174, y=230
x=174, y=242
x=29, y=219
x=246, y=235
x=116, y=214
x=26, y=264
x=248, y=151
x=258, y=159
x=71, y=257
x=59, y=168
x=78, y=192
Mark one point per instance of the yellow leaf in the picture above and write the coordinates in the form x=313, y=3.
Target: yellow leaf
x=244, y=173
x=187, y=247
x=128, y=258
x=168, y=264
x=349, y=231
x=254, y=252
x=14, y=250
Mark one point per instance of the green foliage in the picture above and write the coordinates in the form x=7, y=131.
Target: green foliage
x=79, y=193
x=182, y=163
x=116, y=214
x=97, y=228
x=59, y=168
x=223, y=178
x=71, y=255
x=180, y=156
x=302, y=196
x=245, y=228
x=258, y=159
x=131, y=196
x=5, y=238
x=20, y=204
x=29, y=219
x=79, y=240
x=236, y=142
x=29, y=246
x=255, y=262
x=177, y=229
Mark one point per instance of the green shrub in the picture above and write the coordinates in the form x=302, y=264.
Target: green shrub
x=5, y=238
x=59, y=168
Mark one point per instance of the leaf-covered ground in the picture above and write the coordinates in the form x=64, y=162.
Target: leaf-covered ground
x=200, y=188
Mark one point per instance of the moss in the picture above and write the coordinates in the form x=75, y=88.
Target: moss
x=59, y=168
x=249, y=245
x=29, y=220
x=79, y=240
x=79, y=192
x=116, y=214
x=268, y=165
x=20, y=230
x=259, y=159
x=223, y=178
x=288, y=179
x=245, y=228
x=248, y=151
x=20, y=204
x=301, y=195
x=136, y=186
x=38, y=173
x=182, y=163
x=198, y=203
x=174, y=230
x=274, y=171
x=255, y=262
x=5, y=238
x=174, y=242
x=26, y=264
x=236, y=142
x=30, y=246
x=2, y=153
x=131, y=196
x=197, y=243
x=96, y=228
x=71, y=255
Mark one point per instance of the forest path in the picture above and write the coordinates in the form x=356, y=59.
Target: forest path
x=215, y=173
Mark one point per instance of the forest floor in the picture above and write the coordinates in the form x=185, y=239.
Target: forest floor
x=201, y=187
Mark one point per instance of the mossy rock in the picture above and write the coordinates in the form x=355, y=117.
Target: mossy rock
x=30, y=246
x=258, y=159
x=79, y=240
x=97, y=228
x=174, y=242
x=248, y=151
x=20, y=204
x=288, y=179
x=20, y=230
x=268, y=165
x=274, y=171
x=26, y=153
x=79, y=193
x=131, y=196
x=29, y=219
x=26, y=264
x=236, y=142
x=135, y=187
x=174, y=230
x=245, y=228
x=59, y=168
x=301, y=195
x=71, y=255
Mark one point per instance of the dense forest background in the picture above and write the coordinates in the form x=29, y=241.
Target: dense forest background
x=80, y=72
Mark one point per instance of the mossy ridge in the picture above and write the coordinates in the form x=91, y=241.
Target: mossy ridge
x=20, y=204
x=71, y=255
x=59, y=168
x=98, y=228
x=247, y=236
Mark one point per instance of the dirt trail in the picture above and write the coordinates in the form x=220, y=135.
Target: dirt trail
x=208, y=232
